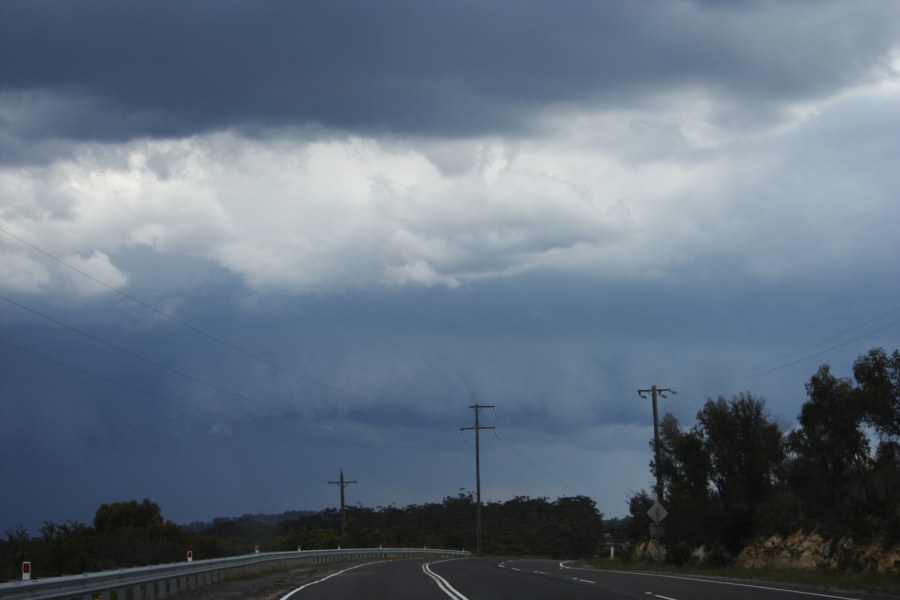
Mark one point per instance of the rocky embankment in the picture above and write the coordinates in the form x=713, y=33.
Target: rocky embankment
x=802, y=550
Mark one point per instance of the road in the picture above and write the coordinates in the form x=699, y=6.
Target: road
x=496, y=579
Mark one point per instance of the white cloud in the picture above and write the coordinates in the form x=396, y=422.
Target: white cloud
x=22, y=273
x=621, y=193
x=98, y=268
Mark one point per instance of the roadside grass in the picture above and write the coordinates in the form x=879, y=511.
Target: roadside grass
x=888, y=583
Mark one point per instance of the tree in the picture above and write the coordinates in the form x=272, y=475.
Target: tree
x=639, y=521
x=878, y=379
x=580, y=517
x=878, y=376
x=121, y=515
x=66, y=547
x=13, y=551
x=684, y=467
x=746, y=450
x=830, y=449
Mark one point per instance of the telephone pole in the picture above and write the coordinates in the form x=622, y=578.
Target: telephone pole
x=654, y=392
x=343, y=484
x=478, y=427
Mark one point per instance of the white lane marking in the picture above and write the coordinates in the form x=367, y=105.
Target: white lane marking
x=583, y=580
x=442, y=583
x=303, y=587
x=663, y=597
x=540, y=572
x=562, y=565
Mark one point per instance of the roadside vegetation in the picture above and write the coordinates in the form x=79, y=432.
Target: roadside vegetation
x=738, y=476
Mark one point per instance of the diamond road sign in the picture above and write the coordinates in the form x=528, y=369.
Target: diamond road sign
x=657, y=512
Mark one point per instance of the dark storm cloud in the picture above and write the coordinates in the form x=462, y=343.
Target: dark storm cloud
x=116, y=70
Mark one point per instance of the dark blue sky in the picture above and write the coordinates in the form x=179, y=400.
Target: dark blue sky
x=246, y=244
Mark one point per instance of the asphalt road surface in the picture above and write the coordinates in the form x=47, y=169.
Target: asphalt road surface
x=493, y=579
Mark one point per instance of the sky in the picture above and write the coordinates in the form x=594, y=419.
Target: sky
x=245, y=245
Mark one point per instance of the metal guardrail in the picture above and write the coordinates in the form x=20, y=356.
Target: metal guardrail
x=162, y=581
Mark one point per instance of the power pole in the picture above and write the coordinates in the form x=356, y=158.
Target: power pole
x=478, y=427
x=661, y=392
x=657, y=512
x=343, y=484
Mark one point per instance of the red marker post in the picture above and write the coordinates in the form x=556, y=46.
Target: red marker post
x=26, y=570
x=190, y=556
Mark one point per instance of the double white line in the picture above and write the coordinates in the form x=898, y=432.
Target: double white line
x=445, y=586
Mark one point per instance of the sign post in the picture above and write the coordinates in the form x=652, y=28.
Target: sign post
x=657, y=513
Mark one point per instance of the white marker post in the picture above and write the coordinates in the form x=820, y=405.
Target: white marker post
x=190, y=556
x=26, y=570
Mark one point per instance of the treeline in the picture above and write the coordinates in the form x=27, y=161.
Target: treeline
x=738, y=473
x=123, y=534
x=569, y=527
x=134, y=533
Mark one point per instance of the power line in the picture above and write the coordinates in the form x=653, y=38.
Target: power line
x=134, y=388
x=819, y=343
x=203, y=382
x=773, y=365
x=826, y=350
x=209, y=336
x=579, y=481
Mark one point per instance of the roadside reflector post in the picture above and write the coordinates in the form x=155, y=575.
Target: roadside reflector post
x=257, y=548
x=190, y=556
x=26, y=570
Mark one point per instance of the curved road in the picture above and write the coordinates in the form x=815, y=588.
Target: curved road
x=495, y=579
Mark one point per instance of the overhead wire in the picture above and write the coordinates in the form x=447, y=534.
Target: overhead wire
x=778, y=364
x=169, y=400
x=200, y=381
x=819, y=343
x=579, y=480
x=210, y=336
